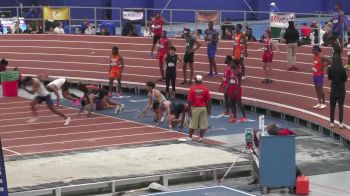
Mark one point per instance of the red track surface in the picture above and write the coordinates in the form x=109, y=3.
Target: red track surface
x=86, y=57
x=50, y=136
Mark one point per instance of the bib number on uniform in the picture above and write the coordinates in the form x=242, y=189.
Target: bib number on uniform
x=335, y=21
x=161, y=46
x=187, y=44
x=232, y=81
x=171, y=64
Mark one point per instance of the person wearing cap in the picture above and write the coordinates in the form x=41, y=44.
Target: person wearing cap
x=318, y=75
x=199, y=101
x=156, y=26
x=189, y=54
x=164, y=44
x=234, y=91
x=212, y=38
x=338, y=76
x=240, y=48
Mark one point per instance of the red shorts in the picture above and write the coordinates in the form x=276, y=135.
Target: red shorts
x=161, y=58
x=267, y=57
x=115, y=73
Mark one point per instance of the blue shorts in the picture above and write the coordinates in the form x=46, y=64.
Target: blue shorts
x=211, y=50
x=47, y=99
x=318, y=81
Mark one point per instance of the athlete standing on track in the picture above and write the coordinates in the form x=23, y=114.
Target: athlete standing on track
x=318, y=76
x=240, y=48
x=224, y=84
x=235, y=91
x=162, y=51
x=212, y=38
x=170, y=61
x=42, y=95
x=189, y=55
x=157, y=28
x=269, y=45
x=115, y=71
x=338, y=25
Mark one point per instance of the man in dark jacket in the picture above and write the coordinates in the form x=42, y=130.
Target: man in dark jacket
x=337, y=74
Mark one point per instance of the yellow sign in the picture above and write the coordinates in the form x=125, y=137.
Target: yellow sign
x=56, y=13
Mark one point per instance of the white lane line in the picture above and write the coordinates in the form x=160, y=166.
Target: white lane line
x=22, y=118
x=40, y=123
x=64, y=127
x=14, y=102
x=88, y=139
x=75, y=133
x=27, y=112
x=6, y=149
x=96, y=146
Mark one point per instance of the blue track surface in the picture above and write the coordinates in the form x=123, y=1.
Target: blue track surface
x=209, y=191
x=219, y=124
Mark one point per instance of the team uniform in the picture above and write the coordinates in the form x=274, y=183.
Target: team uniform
x=318, y=71
x=268, y=52
x=235, y=94
x=115, y=71
x=211, y=45
x=163, y=49
x=157, y=29
x=239, y=50
x=189, y=56
x=224, y=85
x=43, y=95
x=170, y=72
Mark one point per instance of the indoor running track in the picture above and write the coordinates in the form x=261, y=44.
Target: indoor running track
x=49, y=135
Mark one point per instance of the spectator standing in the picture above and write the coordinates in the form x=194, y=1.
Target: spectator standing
x=199, y=101
x=212, y=38
x=90, y=30
x=227, y=29
x=338, y=25
x=291, y=37
x=198, y=34
x=338, y=76
x=29, y=29
x=59, y=29
x=249, y=35
x=189, y=55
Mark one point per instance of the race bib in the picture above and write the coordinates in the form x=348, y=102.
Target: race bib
x=187, y=44
x=232, y=81
x=157, y=26
x=265, y=49
x=335, y=21
x=315, y=62
x=171, y=64
x=235, y=44
x=161, y=46
x=113, y=64
x=224, y=79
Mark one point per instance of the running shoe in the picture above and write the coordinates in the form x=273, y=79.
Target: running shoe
x=161, y=80
x=210, y=74
x=76, y=102
x=269, y=81
x=216, y=75
x=201, y=140
x=122, y=108
x=163, y=117
x=67, y=121
x=110, y=95
x=233, y=120
x=32, y=120
x=189, y=139
x=117, y=110
x=184, y=82
x=243, y=119
x=332, y=125
x=244, y=77
x=341, y=126
x=189, y=82
x=317, y=106
x=151, y=56
x=265, y=81
x=323, y=106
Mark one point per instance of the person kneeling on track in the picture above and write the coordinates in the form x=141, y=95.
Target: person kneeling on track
x=161, y=111
x=234, y=90
x=42, y=95
x=153, y=95
x=62, y=84
x=175, y=111
x=102, y=101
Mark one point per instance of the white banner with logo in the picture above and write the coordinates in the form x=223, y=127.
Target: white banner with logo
x=133, y=15
x=281, y=20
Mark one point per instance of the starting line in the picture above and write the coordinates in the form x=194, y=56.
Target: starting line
x=207, y=191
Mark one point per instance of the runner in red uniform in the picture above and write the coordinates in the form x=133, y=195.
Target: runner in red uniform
x=318, y=76
x=157, y=28
x=240, y=48
x=162, y=52
x=235, y=91
x=115, y=70
x=224, y=84
x=267, y=57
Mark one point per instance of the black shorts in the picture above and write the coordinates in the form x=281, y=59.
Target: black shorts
x=189, y=57
x=156, y=38
x=47, y=99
